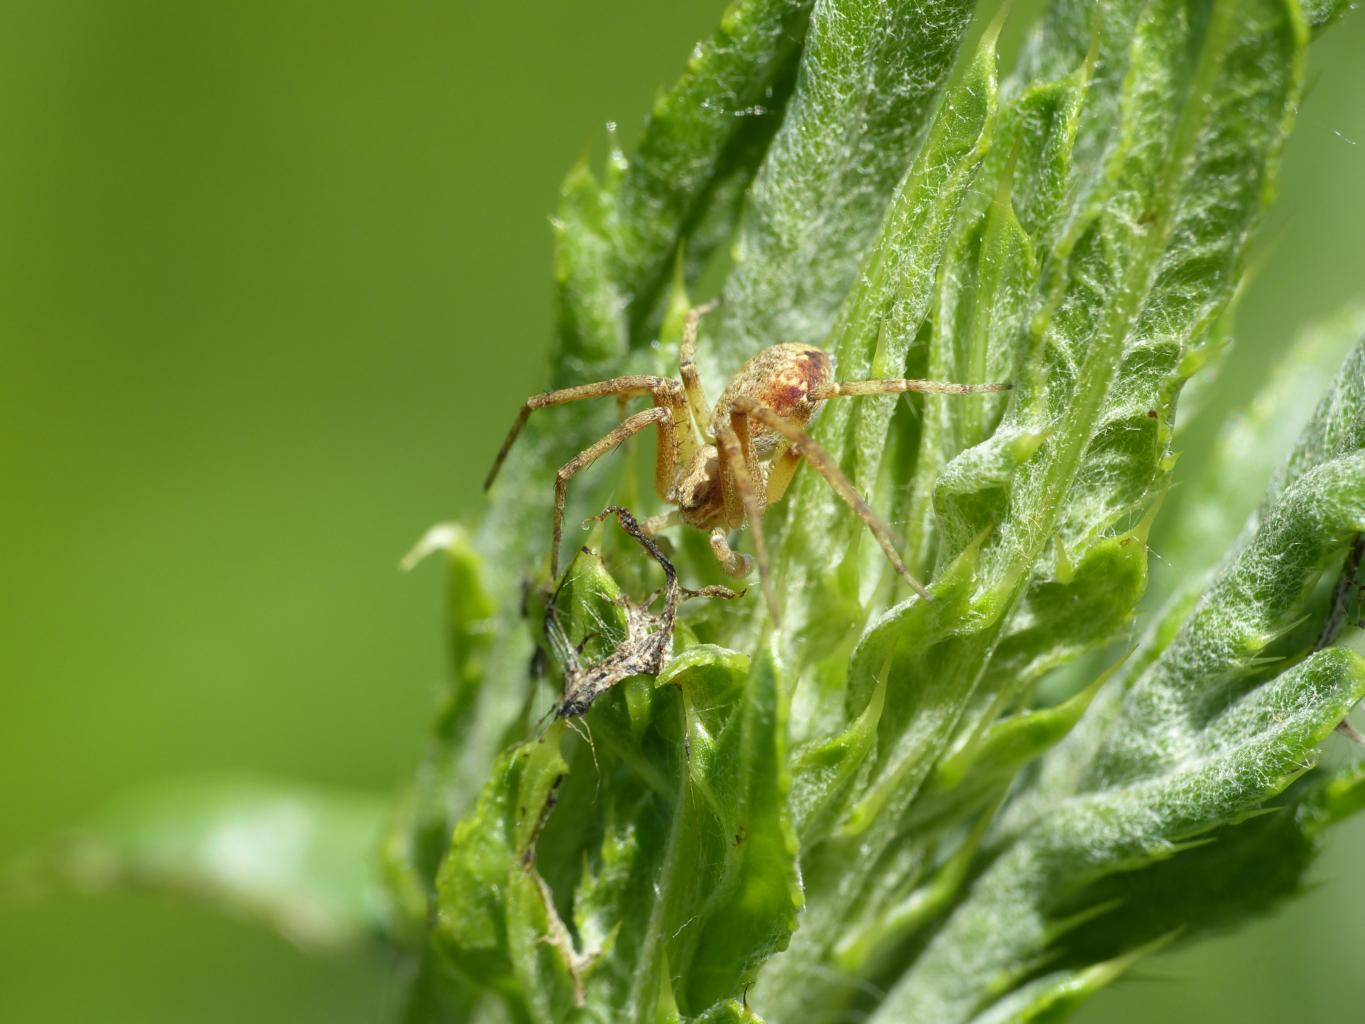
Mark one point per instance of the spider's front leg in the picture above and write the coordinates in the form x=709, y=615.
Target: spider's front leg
x=632, y=425
x=668, y=394
x=677, y=442
x=899, y=386
x=739, y=476
x=687, y=365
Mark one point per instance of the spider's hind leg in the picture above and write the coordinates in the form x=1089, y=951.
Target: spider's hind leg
x=820, y=460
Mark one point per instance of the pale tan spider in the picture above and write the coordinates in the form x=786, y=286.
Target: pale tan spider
x=724, y=467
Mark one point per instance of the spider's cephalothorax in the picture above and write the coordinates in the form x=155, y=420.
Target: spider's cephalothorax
x=723, y=467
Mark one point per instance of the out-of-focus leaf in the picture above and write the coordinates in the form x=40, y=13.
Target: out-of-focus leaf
x=299, y=859
x=1321, y=13
x=1053, y=997
x=1225, y=486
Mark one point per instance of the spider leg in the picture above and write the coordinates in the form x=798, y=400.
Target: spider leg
x=687, y=367
x=632, y=425
x=820, y=460
x=677, y=441
x=737, y=481
x=654, y=525
x=731, y=561
x=784, y=467
x=858, y=388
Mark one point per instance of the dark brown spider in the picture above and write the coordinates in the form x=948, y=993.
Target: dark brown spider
x=724, y=467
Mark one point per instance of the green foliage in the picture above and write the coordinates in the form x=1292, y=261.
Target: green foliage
x=895, y=808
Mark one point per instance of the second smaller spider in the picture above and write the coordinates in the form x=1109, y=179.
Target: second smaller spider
x=723, y=466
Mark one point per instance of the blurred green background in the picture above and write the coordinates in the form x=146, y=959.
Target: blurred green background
x=273, y=277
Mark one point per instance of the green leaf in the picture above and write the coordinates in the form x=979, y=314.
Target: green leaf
x=1321, y=13
x=902, y=805
x=1244, y=871
x=494, y=917
x=457, y=751
x=1243, y=756
x=702, y=145
x=752, y=908
x=876, y=327
x=1226, y=484
x=1195, y=740
x=1150, y=254
x=870, y=73
x=1054, y=996
x=694, y=831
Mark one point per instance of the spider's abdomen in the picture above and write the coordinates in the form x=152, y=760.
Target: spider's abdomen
x=782, y=378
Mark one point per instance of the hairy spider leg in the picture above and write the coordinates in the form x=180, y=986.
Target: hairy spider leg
x=734, y=563
x=804, y=446
x=784, y=466
x=687, y=368
x=899, y=386
x=656, y=524
x=611, y=440
x=677, y=441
